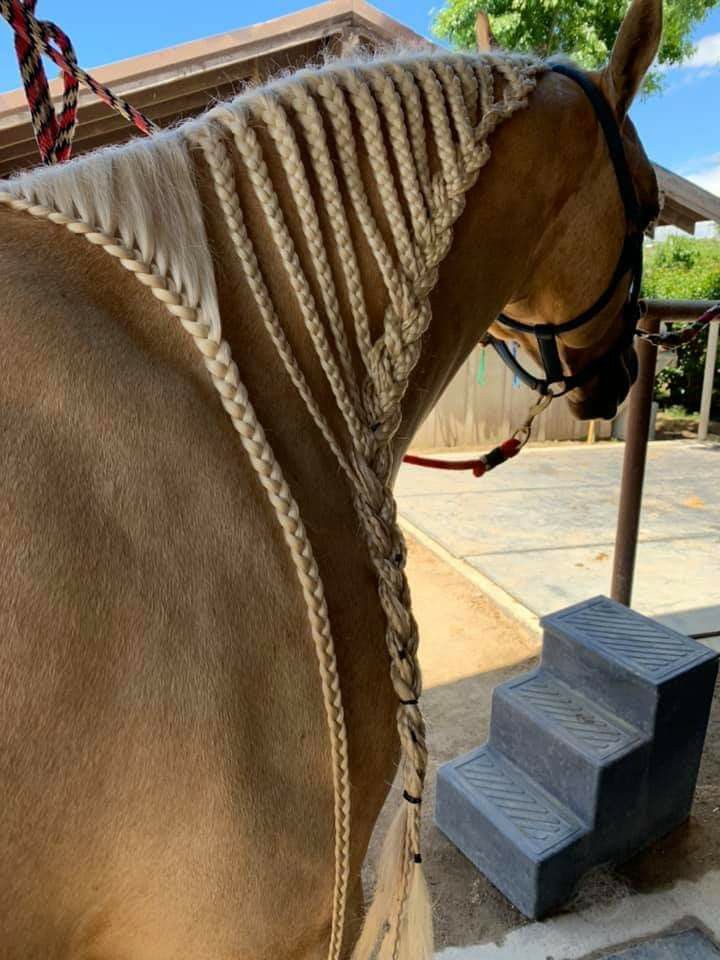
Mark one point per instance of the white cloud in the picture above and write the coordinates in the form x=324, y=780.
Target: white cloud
x=707, y=53
x=707, y=177
x=703, y=230
x=704, y=63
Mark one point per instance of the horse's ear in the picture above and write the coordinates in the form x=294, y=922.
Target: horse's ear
x=483, y=33
x=635, y=49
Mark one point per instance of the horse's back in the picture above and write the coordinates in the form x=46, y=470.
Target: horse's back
x=154, y=685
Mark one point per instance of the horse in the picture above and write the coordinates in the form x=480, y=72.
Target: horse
x=201, y=599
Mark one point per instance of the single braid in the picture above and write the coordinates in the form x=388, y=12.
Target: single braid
x=272, y=113
x=209, y=138
x=310, y=119
x=470, y=92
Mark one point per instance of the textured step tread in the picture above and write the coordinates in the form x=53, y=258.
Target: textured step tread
x=644, y=646
x=687, y=945
x=510, y=795
x=588, y=727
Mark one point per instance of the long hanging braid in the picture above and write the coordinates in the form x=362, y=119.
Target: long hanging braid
x=423, y=121
x=459, y=97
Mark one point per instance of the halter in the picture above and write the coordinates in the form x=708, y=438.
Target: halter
x=630, y=261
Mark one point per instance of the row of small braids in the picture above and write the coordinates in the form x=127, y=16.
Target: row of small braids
x=381, y=109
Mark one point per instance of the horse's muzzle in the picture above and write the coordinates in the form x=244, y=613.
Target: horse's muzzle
x=600, y=398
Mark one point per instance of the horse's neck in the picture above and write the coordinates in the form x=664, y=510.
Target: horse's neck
x=505, y=216
x=493, y=240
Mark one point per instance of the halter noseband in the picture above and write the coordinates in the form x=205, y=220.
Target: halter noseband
x=630, y=261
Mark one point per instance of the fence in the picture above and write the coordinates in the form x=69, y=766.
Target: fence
x=483, y=403
x=638, y=428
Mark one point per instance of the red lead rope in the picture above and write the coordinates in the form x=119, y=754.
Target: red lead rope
x=53, y=134
x=488, y=461
x=672, y=339
x=479, y=466
x=33, y=38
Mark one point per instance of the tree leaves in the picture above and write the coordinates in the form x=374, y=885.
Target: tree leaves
x=682, y=268
x=582, y=29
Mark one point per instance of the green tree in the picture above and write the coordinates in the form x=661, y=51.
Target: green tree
x=583, y=29
x=681, y=268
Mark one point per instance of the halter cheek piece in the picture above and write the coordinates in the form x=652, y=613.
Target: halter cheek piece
x=630, y=261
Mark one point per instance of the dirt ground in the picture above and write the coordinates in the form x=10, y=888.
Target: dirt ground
x=467, y=647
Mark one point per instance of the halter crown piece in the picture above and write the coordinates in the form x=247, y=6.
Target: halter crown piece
x=630, y=261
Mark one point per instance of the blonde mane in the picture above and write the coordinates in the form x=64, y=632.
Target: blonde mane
x=424, y=122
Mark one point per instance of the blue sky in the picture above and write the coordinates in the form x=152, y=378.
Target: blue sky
x=679, y=127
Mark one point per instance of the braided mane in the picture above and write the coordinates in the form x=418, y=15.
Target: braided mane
x=423, y=121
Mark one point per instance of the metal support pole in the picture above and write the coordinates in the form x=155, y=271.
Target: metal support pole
x=676, y=310
x=708, y=379
x=637, y=431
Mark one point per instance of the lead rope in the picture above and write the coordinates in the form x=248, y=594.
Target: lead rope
x=488, y=461
x=673, y=339
x=53, y=134
x=33, y=37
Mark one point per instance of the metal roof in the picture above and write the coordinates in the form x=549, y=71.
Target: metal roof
x=184, y=80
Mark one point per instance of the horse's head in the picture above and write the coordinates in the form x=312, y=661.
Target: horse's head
x=576, y=310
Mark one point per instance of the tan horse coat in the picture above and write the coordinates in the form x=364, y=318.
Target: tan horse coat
x=166, y=789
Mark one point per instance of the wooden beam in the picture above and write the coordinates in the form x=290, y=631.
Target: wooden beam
x=157, y=78
x=311, y=23
x=166, y=103
x=675, y=215
x=705, y=205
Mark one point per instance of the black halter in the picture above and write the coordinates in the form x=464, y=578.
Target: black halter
x=630, y=261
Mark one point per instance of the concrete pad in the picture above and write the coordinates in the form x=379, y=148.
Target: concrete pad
x=542, y=527
x=577, y=936
x=547, y=579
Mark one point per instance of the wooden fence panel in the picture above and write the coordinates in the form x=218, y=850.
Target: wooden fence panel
x=483, y=407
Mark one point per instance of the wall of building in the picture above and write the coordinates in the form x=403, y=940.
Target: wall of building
x=481, y=406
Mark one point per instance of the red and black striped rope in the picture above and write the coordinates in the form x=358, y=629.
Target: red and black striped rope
x=33, y=38
x=53, y=134
x=672, y=339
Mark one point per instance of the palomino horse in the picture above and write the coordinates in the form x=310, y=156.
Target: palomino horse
x=177, y=781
